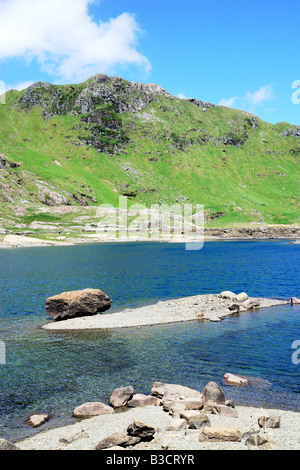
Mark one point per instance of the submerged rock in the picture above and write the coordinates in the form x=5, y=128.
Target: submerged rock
x=77, y=304
x=231, y=379
x=38, y=420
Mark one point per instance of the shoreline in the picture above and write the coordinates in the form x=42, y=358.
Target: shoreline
x=211, y=235
x=206, y=307
x=162, y=416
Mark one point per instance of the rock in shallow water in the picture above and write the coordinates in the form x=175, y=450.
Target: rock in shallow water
x=77, y=304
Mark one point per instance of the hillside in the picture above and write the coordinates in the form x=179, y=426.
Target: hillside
x=64, y=150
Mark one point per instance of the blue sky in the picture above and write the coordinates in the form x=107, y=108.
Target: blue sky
x=239, y=53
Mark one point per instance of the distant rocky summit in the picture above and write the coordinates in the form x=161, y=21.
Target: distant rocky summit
x=77, y=304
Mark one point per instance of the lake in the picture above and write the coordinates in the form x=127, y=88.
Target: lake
x=55, y=372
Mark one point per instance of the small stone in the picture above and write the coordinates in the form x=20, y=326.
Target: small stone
x=228, y=295
x=92, y=409
x=224, y=410
x=198, y=422
x=242, y=297
x=158, y=389
x=232, y=379
x=117, y=439
x=256, y=440
x=249, y=304
x=177, y=425
x=193, y=403
x=38, y=420
x=176, y=409
x=269, y=421
x=72, y=437
x=142, y=430
x=7, y=445
x=139, y=400
x=189, y=414
x=220, y=433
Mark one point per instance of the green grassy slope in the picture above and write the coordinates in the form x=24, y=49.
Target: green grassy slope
x=91, y=149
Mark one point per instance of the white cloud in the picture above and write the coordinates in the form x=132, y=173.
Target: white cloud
x=229, y=103
x=251, y=100
x=19, y=86
x=181, y=96
x=66, y=40
x=265, y=93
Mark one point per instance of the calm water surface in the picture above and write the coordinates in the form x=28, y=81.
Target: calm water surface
x=55, y=372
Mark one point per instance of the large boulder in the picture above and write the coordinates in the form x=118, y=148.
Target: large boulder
x=77, y=304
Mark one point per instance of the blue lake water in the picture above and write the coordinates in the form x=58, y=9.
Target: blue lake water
x=55, y=372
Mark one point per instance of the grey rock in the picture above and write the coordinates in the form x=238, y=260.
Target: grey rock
x=256, y=440
x=273, y=421
x=198, y=422
x=73, y=436
x=213, y=393
x=7, y=445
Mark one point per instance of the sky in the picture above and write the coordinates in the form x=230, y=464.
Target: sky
x=238, y=53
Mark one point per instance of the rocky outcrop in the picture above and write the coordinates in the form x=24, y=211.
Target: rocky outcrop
x=77, y=304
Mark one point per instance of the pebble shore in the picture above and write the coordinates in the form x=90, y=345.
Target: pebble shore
x=97, y=428
x=200, y=307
